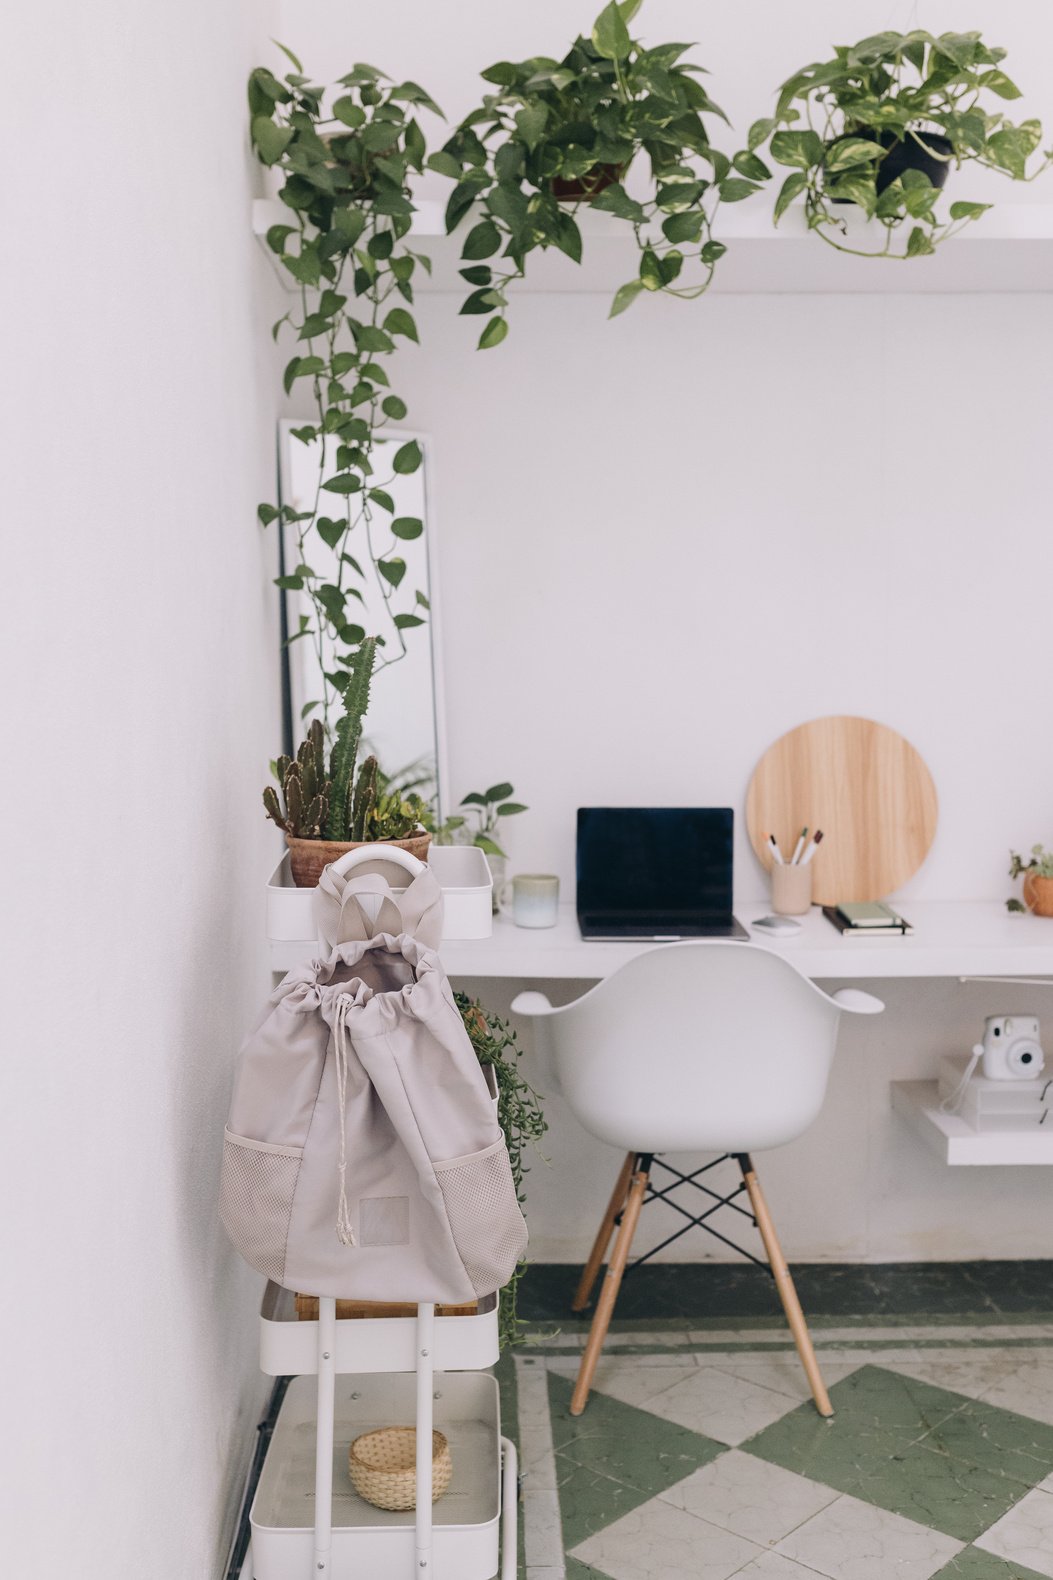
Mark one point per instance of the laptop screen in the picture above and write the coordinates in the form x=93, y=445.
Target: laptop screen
x=655, y=861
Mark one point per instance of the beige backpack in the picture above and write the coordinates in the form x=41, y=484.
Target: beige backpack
x=362, y=1156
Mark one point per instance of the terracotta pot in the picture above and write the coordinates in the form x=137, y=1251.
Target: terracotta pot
x=309, y=856
x=1038, y=895
x=580, y=189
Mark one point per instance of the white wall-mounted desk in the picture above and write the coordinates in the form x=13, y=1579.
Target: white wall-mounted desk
x=952, y=939
x=955, y=938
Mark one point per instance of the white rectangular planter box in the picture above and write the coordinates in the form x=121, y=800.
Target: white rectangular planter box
x=289, y=1347
x=467, y=892
x=375, y=1543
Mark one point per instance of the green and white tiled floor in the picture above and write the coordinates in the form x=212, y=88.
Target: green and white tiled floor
x=700, y=1455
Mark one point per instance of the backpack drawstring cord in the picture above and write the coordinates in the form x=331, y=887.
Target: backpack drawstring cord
x=344, y=1231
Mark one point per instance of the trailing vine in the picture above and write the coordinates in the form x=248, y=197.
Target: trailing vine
x=520, y=1117
x=345, y=167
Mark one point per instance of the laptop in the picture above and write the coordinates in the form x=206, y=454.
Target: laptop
x=656, y=873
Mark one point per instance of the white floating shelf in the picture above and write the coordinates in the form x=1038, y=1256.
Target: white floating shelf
x=955, y=1142
x=1010, y=249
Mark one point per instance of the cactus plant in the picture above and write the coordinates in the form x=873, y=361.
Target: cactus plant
x=305, y=788
x=334, y=803
x=365, y=799
x=348, y=736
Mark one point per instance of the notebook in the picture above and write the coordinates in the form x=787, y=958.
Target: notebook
x=656, y=873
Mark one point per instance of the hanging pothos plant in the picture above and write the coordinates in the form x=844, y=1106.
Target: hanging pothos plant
x=344, y=164
x=887, y=118
x=559, y=133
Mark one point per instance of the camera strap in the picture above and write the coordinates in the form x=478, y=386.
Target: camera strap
x=951, y=1105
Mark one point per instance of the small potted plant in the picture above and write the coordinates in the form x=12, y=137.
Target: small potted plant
x=325, y=808
x=486, y=808
x=884, y=122
x=480, y=826
x=1038, y=881
x=558, y=133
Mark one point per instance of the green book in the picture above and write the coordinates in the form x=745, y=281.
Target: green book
x=869, y=913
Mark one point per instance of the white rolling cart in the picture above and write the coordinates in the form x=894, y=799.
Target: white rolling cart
x=307, y=1520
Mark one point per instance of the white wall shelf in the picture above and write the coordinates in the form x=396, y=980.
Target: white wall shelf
x=955, y=1142
x=1008, y=250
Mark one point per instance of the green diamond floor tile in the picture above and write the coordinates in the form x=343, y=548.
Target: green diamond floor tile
x=576, y=1570
x=972, y=1564
x=946, y=1494
x=627, y=1444
x=1006, y=1443
x=919, y=1451
x=589, y=1501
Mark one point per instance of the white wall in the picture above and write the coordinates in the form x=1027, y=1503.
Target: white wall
x=661, y=537
x=140, y=710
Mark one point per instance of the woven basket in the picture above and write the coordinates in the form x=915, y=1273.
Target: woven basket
x=351, y=1310
x=383, y=1466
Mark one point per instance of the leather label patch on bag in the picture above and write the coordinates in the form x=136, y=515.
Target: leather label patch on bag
x=383, y=1220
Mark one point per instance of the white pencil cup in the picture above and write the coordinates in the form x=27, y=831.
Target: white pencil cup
x=791, y=889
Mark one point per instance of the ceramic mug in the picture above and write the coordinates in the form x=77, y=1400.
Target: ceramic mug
x=534, y=899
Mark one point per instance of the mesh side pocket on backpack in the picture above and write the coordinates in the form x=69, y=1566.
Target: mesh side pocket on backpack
x=487, y=1225
x=256, y=1186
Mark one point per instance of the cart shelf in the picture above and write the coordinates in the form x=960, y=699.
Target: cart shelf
x=289, y=1347
x=374, y=1542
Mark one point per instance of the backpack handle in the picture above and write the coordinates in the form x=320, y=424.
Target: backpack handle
x=377, y=851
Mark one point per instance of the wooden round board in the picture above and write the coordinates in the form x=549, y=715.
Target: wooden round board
x=864, y=786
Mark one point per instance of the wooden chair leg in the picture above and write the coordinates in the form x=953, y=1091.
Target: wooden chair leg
x=787, y=1293
x=609, y=1292
x=603, y=1236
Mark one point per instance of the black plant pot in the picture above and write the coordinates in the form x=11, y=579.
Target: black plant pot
x=907, y=154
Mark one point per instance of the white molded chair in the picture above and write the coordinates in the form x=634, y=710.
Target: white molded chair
x=714, y=1046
